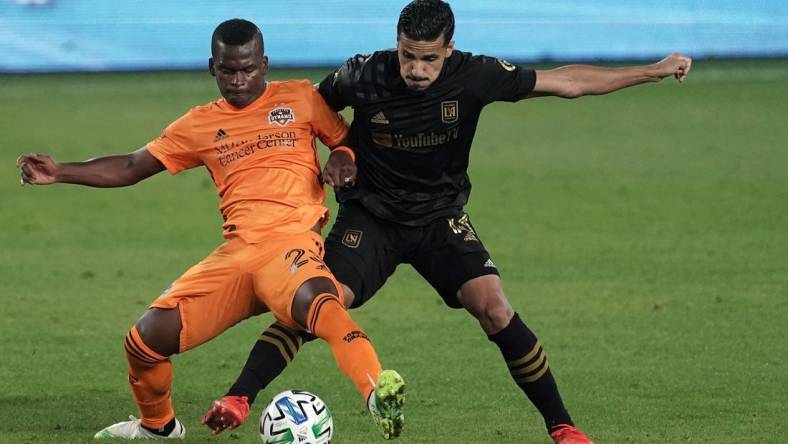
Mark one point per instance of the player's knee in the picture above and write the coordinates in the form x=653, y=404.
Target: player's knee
x=490, y=307
x=307, y=293
x=160, y=330
x=496, y=315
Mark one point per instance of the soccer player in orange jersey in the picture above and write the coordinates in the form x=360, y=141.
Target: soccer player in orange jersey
x=258, y=143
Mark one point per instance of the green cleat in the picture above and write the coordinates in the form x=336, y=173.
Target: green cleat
x=385, y=403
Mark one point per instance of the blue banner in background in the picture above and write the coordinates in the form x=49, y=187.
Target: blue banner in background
x=101, y=35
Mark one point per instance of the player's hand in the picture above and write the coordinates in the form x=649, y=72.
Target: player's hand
x=676, y=65
x=226, y=413
x=37, y=169
x=340, y=170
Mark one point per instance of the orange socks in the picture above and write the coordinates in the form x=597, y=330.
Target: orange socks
x=150, y=374
x=328, y=319
x=150, y=377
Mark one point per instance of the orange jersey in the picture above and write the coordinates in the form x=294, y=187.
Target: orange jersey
x=262, y=158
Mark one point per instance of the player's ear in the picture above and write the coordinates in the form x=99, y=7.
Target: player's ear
x=210, y=67
x=449, y=48
x=264, y=65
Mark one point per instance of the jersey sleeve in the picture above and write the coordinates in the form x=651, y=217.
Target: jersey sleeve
x=175, y=148
x=337, y=87
x=329, y=126
x=498, y=79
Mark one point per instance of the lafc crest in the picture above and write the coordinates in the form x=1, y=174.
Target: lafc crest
x=462, y=225
x=449, y=111
x=352, y=238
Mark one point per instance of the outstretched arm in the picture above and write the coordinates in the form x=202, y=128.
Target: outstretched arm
x=101, y=172
x=573, y=81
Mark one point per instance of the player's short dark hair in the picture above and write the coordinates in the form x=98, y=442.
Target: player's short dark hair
x=426, y=20
x=236, y=32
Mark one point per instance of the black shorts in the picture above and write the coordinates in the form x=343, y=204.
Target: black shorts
x=363, y=250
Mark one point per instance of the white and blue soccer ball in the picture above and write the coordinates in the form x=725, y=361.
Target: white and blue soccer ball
x=297, y=417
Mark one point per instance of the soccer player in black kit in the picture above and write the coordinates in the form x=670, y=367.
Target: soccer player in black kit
x=402, y=192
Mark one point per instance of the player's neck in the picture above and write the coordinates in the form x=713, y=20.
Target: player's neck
x=252, y=102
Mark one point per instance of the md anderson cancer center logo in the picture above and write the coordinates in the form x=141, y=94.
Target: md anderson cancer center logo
x=239, y=149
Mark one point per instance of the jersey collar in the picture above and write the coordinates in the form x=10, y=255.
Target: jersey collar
x=224, y=104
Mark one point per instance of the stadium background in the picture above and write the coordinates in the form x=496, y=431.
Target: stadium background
x=642, y=234
x=76, y=35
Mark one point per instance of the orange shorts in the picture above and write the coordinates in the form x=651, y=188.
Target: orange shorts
x=240, y=280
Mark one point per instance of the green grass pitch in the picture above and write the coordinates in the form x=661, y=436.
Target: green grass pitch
x=642, y=235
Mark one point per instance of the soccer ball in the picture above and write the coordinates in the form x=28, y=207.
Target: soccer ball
x=296, y=416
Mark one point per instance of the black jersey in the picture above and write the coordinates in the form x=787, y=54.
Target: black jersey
x=412, y=147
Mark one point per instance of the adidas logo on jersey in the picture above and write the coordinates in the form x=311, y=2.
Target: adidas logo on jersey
x=379, y=118
x=221, y=134
x=489, y=264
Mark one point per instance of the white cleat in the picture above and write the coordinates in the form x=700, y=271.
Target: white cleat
x=133, y=429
